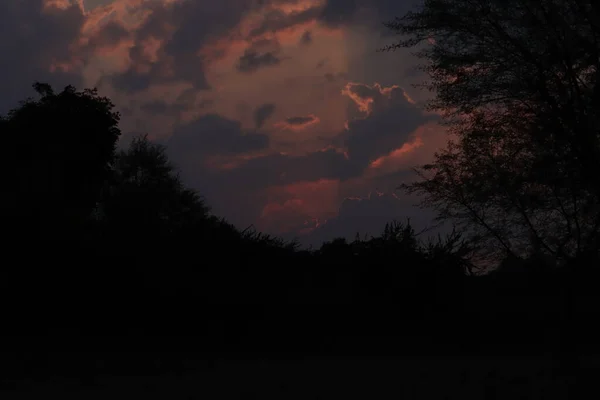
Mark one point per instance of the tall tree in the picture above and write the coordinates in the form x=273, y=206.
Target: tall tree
x=145, y=199
x=517, y=83
x=57, y=152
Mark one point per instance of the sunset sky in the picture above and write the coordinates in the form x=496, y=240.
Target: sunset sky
x=279, y=112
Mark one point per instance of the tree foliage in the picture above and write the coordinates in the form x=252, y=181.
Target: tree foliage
x=144, y=199
x=57, y=154
x=517, y=83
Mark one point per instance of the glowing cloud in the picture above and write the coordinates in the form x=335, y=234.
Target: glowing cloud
x=364, y=95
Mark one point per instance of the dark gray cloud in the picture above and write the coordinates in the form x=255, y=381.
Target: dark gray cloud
x=213, y=134
x=277, y=20
x=184, y=102
x=350, y=12
x=191, y=145
x=338, y=12
x=389, y=9
x=393, y=118
x=109, y=35
x=156, y=107
x=33, y=38
x=251, y=61
x=132, y=81
x=306, y=38
x=262, y=113
x=296, y=121
x=160, y=107
x=261, y=53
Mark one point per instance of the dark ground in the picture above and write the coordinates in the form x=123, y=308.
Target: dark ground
x=481, y=340
x=301, y=353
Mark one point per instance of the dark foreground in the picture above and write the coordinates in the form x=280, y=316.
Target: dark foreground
x=302, y=352
x=472, y=338
x=424, y=377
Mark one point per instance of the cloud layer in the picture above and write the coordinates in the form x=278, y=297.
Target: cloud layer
x=278, y=111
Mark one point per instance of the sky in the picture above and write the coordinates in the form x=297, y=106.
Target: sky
x=279, y=112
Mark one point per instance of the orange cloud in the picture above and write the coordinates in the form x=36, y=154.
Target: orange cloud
x=426, y=140
x=365, y=101
x=397, y=154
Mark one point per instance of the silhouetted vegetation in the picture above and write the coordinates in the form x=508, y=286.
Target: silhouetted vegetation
x=130, y=251
x=516, y=83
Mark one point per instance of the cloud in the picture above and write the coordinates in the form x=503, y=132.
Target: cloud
x=204, y=77
x=301, y=120
x=109, y=35
x=297, y=208
x=278, y=169
x=419, y=150
x=338, y=12
x=298, y=123
x=354, y=12
x=340, y=76
x=261, y=53
x=36, y=42
x=211, y=135
x=385, y=117
x=306, y=38
x=262, y=113
x=162, y=107
x=384, y=121
x=167, y=43
x=253, y=60
x=278, y=20
x=388, y=134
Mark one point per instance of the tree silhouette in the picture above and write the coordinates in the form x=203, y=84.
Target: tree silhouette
x=517, y=85
x=57, y=155
x=451, y=254
x=144, y=199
